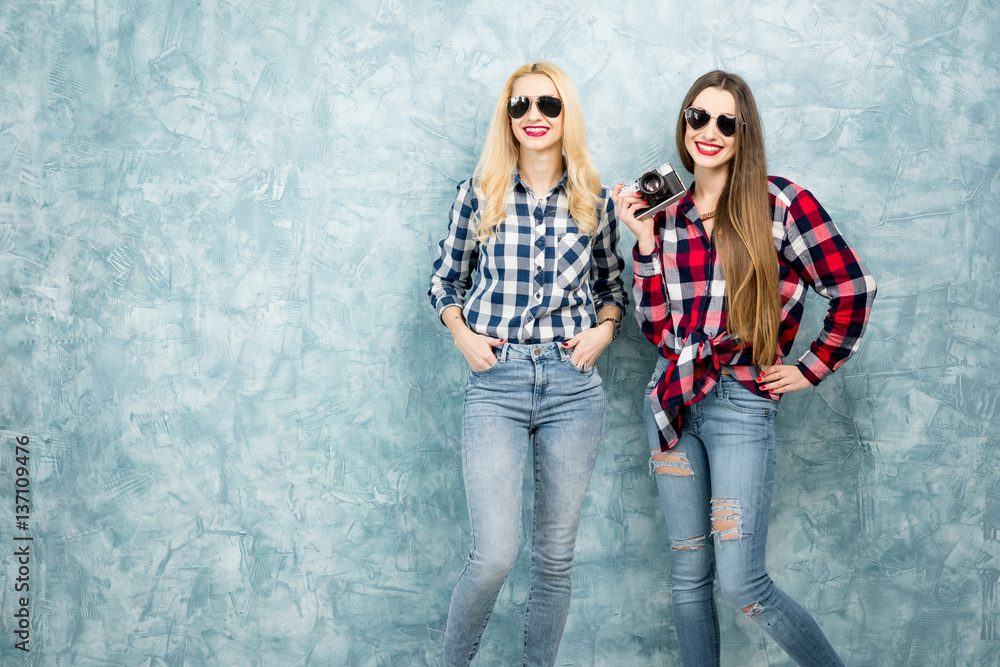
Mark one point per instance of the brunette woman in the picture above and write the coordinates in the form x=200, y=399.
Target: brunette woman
x=720, y=280
x=533, y=235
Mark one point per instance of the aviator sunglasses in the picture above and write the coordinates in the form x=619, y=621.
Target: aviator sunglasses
x=548, y=105
x=698, y=118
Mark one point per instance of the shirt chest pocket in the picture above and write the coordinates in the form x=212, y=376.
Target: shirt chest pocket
x=572, y=261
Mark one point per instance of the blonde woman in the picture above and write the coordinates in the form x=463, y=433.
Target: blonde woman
x=533, y=238
x=720, y=279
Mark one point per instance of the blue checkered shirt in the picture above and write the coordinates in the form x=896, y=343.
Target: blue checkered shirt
x=537, y=279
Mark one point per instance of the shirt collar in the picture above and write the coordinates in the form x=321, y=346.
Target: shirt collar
x=523, y=185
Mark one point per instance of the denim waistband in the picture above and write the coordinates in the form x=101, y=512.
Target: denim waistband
x=724, y=378
x=533, y=351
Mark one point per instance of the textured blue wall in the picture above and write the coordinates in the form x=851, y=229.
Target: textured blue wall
x=216, y=224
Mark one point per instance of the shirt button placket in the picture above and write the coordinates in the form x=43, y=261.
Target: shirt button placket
x=538, y=258
x=539, y=262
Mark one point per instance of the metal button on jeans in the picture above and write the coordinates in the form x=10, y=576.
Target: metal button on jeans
x=537, y=352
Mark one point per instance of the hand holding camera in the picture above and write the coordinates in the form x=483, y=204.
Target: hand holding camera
x=659, y=187
x=638, y=203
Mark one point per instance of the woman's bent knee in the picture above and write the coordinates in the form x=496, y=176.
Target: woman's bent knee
x=493, y=565
x=745, y=593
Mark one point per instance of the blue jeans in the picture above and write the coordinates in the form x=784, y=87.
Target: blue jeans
x=532, y=390
x=715, y=491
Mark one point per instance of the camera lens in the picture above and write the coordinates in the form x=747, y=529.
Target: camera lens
x=650, y=183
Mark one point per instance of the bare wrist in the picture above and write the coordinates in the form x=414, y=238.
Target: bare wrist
x=458, y=328
x=452, y=316
x=615, y=324
x=646, y=246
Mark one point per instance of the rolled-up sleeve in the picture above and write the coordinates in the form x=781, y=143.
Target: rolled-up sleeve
x=651, y=306
x=817, y=251
x=457, y=253
x=607, y=264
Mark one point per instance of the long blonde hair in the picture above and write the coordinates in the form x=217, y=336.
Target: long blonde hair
x=494, y=172
x=743, y=224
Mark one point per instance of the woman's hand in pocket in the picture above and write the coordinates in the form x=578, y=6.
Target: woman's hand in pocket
x=588, y=345
x=477, y=349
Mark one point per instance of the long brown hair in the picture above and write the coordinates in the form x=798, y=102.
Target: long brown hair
x=494, y=172
x=743, y=224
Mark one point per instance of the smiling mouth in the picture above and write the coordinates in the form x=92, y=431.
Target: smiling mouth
x=535, y=131
x=707, y=149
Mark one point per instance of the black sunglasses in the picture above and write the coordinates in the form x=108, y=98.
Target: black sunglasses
x=548, y=105
x=698, y=118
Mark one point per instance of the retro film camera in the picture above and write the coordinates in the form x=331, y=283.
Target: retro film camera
x=660, y=187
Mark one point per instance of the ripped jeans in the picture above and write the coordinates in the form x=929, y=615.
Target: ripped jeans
x=715, y=491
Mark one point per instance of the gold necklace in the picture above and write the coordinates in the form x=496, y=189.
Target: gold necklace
x=708, y=216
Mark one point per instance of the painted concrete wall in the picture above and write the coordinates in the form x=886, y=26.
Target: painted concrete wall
x=216, y=224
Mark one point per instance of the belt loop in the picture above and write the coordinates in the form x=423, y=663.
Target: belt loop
x=503, y=351
x=563, y=351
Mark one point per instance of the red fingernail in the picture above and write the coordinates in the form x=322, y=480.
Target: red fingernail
x=565, y=344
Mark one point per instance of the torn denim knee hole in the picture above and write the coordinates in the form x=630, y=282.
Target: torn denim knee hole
x=689, y=544
x=753, y=609
x=726, y=518
x=670, y=463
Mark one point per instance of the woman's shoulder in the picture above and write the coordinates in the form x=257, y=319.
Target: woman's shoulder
x=783, y=192
x=779, y=187
x=466, y=193
x=795, y=205
x=604, y=203
x=465, y=206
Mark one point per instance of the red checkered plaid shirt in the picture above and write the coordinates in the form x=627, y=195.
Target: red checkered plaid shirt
x=680, y=296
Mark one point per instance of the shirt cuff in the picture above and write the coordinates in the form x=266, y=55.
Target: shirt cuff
x=812, y=367
x=645, y=266
x=446, y=301
x=610, y=301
